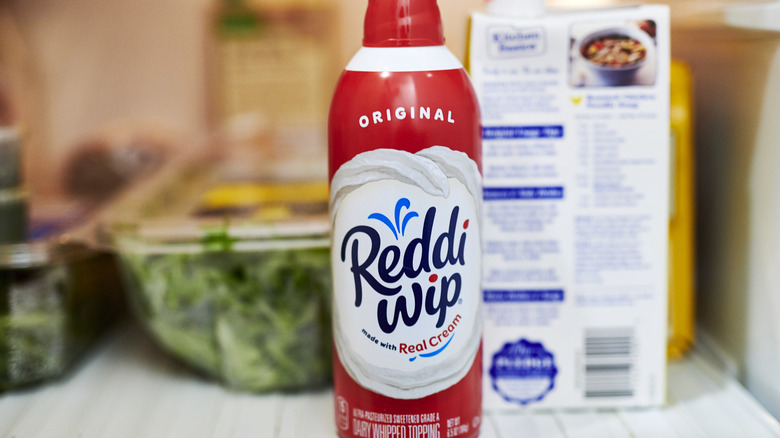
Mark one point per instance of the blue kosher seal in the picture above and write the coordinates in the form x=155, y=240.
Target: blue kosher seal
x=523, y=372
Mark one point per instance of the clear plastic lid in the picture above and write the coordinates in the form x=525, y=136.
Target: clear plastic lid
x=200, y=206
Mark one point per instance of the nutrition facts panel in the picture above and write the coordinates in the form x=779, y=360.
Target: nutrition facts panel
x=129, y=388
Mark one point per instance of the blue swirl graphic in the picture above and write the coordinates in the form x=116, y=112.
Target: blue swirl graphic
x=399, y=226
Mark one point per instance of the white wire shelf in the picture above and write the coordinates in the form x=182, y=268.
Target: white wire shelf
x=128, y=388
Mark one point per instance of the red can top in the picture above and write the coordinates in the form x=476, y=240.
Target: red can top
x=402, y=23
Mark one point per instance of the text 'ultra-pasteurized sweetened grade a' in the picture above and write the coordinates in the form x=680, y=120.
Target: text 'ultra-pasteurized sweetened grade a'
x=405, y=140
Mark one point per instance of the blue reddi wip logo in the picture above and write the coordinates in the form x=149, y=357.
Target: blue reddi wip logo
x=406, y=264
x=414, y=261
x=509, y=42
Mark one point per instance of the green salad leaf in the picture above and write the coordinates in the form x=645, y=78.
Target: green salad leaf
x=259, y=321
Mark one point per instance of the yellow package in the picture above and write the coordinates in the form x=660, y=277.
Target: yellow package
x=681, y=217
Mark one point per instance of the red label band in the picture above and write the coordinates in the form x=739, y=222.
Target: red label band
x=454, y=412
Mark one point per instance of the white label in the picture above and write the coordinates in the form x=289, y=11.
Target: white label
x=406, y=266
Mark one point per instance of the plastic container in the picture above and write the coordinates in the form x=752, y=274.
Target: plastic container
x=404, y=139
x=231, y=276
x=56, y=299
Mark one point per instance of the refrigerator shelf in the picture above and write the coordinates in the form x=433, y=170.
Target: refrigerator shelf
x=129, y=388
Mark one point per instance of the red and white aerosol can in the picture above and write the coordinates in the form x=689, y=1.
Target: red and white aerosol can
x=405, y=141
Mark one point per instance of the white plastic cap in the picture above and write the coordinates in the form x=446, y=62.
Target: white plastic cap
x=516, y=8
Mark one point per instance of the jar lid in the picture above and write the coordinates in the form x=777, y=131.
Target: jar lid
x=41, y=253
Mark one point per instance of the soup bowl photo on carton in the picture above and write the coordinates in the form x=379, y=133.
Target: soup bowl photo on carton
x=622, y=74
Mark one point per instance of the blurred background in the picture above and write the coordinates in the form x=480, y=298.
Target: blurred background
x=76, y=71
x=104, y=91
